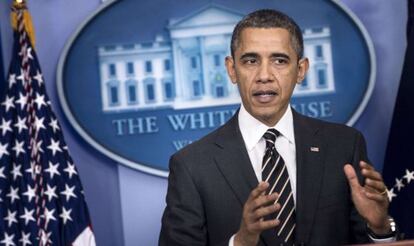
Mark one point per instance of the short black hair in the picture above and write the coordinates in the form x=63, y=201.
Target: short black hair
x=269, y=18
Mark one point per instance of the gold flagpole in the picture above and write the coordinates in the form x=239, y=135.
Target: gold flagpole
x=20, y=5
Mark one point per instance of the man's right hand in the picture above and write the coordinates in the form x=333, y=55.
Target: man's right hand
x=257, y=206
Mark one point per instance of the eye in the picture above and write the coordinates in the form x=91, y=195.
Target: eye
x=250, y=61
x=280, y=61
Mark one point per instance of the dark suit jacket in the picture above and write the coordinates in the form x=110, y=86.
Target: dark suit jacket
x=211, y=179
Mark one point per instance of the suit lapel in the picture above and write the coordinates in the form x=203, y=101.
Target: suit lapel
x=310, y=167
x=233, y=161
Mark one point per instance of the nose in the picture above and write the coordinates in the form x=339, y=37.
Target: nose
x=265, y=73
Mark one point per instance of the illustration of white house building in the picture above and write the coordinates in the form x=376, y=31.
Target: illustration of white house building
x=186, y=69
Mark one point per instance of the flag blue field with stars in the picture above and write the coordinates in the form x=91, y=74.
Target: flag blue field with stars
x=398, y=169
x=41, y=196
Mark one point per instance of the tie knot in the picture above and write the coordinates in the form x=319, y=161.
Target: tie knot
x=270, y=137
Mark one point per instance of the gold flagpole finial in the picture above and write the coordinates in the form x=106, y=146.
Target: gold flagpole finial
x=20, y=6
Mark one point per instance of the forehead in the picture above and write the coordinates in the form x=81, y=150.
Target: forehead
x=271, y=39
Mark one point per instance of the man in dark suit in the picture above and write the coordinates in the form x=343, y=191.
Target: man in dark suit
x=271, y=176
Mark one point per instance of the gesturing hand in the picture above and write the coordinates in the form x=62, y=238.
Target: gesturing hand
x=257, y=206
x=371, y=199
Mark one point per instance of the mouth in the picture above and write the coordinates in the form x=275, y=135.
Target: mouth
x=265, y=96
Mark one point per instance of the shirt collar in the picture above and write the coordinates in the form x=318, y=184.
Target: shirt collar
x=253, y=130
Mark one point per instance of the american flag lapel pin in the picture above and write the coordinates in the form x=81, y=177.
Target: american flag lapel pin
x=314, y=149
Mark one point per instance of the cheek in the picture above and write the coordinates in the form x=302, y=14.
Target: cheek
x=244, y=91
x=246, y=75
x=288, y=81
x=288, y=89
x=244, y=83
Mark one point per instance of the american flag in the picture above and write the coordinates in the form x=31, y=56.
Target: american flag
x=41, y=196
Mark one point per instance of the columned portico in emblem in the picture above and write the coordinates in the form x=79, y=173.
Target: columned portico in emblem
x=195, y=48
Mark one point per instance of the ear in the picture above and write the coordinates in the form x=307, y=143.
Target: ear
x=303, y=67
x=231, y=71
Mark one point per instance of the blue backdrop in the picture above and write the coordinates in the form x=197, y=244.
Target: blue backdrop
x=125, y=204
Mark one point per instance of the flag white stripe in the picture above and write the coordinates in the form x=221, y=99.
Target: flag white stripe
x=85, y=238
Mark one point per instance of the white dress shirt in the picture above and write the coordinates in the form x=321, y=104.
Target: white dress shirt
x=252, y=132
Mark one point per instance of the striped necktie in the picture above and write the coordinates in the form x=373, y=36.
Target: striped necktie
x=275, y=173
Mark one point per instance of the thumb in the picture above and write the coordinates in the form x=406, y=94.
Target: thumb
x=351, y=176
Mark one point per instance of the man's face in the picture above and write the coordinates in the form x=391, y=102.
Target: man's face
x=266, y=69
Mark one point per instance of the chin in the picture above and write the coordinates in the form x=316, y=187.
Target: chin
x=265, y=117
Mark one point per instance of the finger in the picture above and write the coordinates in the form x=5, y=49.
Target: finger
x=376, y=196
x=371, y=174
x=376, y=185
x=260, y=201
x=351, y=176
x=370, y=189
x=364, y=164
x=262, y=225
x=256, y=192
x=263, y=211
x=256, y=210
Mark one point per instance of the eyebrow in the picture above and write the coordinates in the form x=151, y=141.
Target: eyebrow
x=249, y=55
x=280, y=55
x=255, y=55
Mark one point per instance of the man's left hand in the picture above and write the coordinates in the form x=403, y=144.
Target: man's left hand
x=371, y=199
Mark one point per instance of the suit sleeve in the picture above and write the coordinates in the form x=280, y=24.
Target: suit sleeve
x=183, y=221
x=358, y=224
